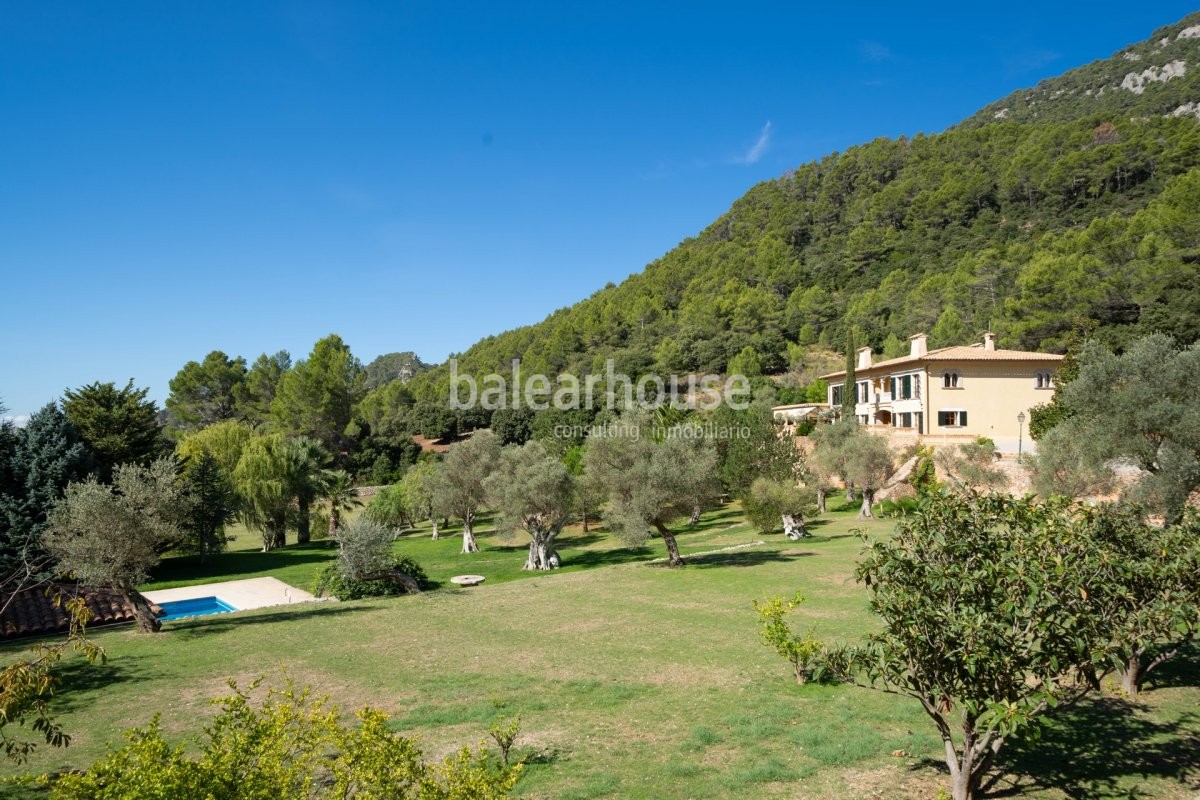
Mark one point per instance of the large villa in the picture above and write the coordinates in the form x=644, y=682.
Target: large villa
x=952, y=394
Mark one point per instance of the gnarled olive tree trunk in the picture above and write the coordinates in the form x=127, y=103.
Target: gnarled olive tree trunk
x=793, y=526
x=868, y=500
x=407, y=583
x=695, y=517
x=436, y=533
x=469, y=543
x=673, y=557
x=143, y=614
x=542, y=555
x=821, y=499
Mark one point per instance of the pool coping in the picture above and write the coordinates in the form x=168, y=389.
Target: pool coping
x=244, y=595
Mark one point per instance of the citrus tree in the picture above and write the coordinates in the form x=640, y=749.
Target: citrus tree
x=991, y=617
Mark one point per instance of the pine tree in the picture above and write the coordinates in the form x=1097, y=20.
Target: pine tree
x=46, y=455
x=317, y=397
x=203, y=393
x=211, y=506
x=119, y=426
x=255, y=394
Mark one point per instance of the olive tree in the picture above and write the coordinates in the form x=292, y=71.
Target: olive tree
x=989, y=621
x=458, y=486
x=111, y=536
x=365, y=554
x=770, y=502
x=390, y=507
x=532, y=491
x=1066, y=465
x=972, y=464
x=867, y=464
x=1138, y=407
x=418, y=485
x=650, y=482
x=827, y=462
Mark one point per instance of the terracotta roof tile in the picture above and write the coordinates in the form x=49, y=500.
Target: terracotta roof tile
x=968, y=352
x=34, y=612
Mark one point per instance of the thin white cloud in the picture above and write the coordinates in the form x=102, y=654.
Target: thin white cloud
x=19, y=420
x=759, y=147
x=1029, y=60
x=874, y=51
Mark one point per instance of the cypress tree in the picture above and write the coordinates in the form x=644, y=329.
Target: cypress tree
x=849, y=387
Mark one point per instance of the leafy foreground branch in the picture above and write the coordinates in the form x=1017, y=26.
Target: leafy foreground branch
x=992, y=618
x=293, y=745
x=27, y=684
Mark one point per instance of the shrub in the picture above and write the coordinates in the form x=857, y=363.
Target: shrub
x=924, y=474
x=331, y=581
x=801, y=651
x=772, y=503
x=292, y=745
x=900, y=507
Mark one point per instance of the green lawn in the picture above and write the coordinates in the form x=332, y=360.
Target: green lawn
x=633, y=680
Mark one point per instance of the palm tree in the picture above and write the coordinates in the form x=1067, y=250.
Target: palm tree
x=340, y=496
x=307, y=479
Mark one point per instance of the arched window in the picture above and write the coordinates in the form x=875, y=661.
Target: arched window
x=950, y=380
x=1044, y=380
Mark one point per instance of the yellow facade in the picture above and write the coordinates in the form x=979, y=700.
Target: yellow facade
x=993, y=394
x=952, y=395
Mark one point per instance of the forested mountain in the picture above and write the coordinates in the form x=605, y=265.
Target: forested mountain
x=1158, y=76
x=393, y=367
x=1058, y=203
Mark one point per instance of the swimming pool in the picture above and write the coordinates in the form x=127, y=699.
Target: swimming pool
x=195, y=607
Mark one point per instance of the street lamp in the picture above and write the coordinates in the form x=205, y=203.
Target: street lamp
x=1020, y=432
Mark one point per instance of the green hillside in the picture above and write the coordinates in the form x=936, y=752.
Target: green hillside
x=1158, y=76
x=1068, y=206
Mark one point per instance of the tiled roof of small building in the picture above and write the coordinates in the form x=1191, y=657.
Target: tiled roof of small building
x=35, y=612
x=966, y=352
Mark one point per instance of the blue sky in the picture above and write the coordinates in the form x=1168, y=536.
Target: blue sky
x=182, y=177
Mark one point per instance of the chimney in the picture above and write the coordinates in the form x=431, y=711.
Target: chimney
x=864, y=358
x=917, y=345
x=989, y=341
